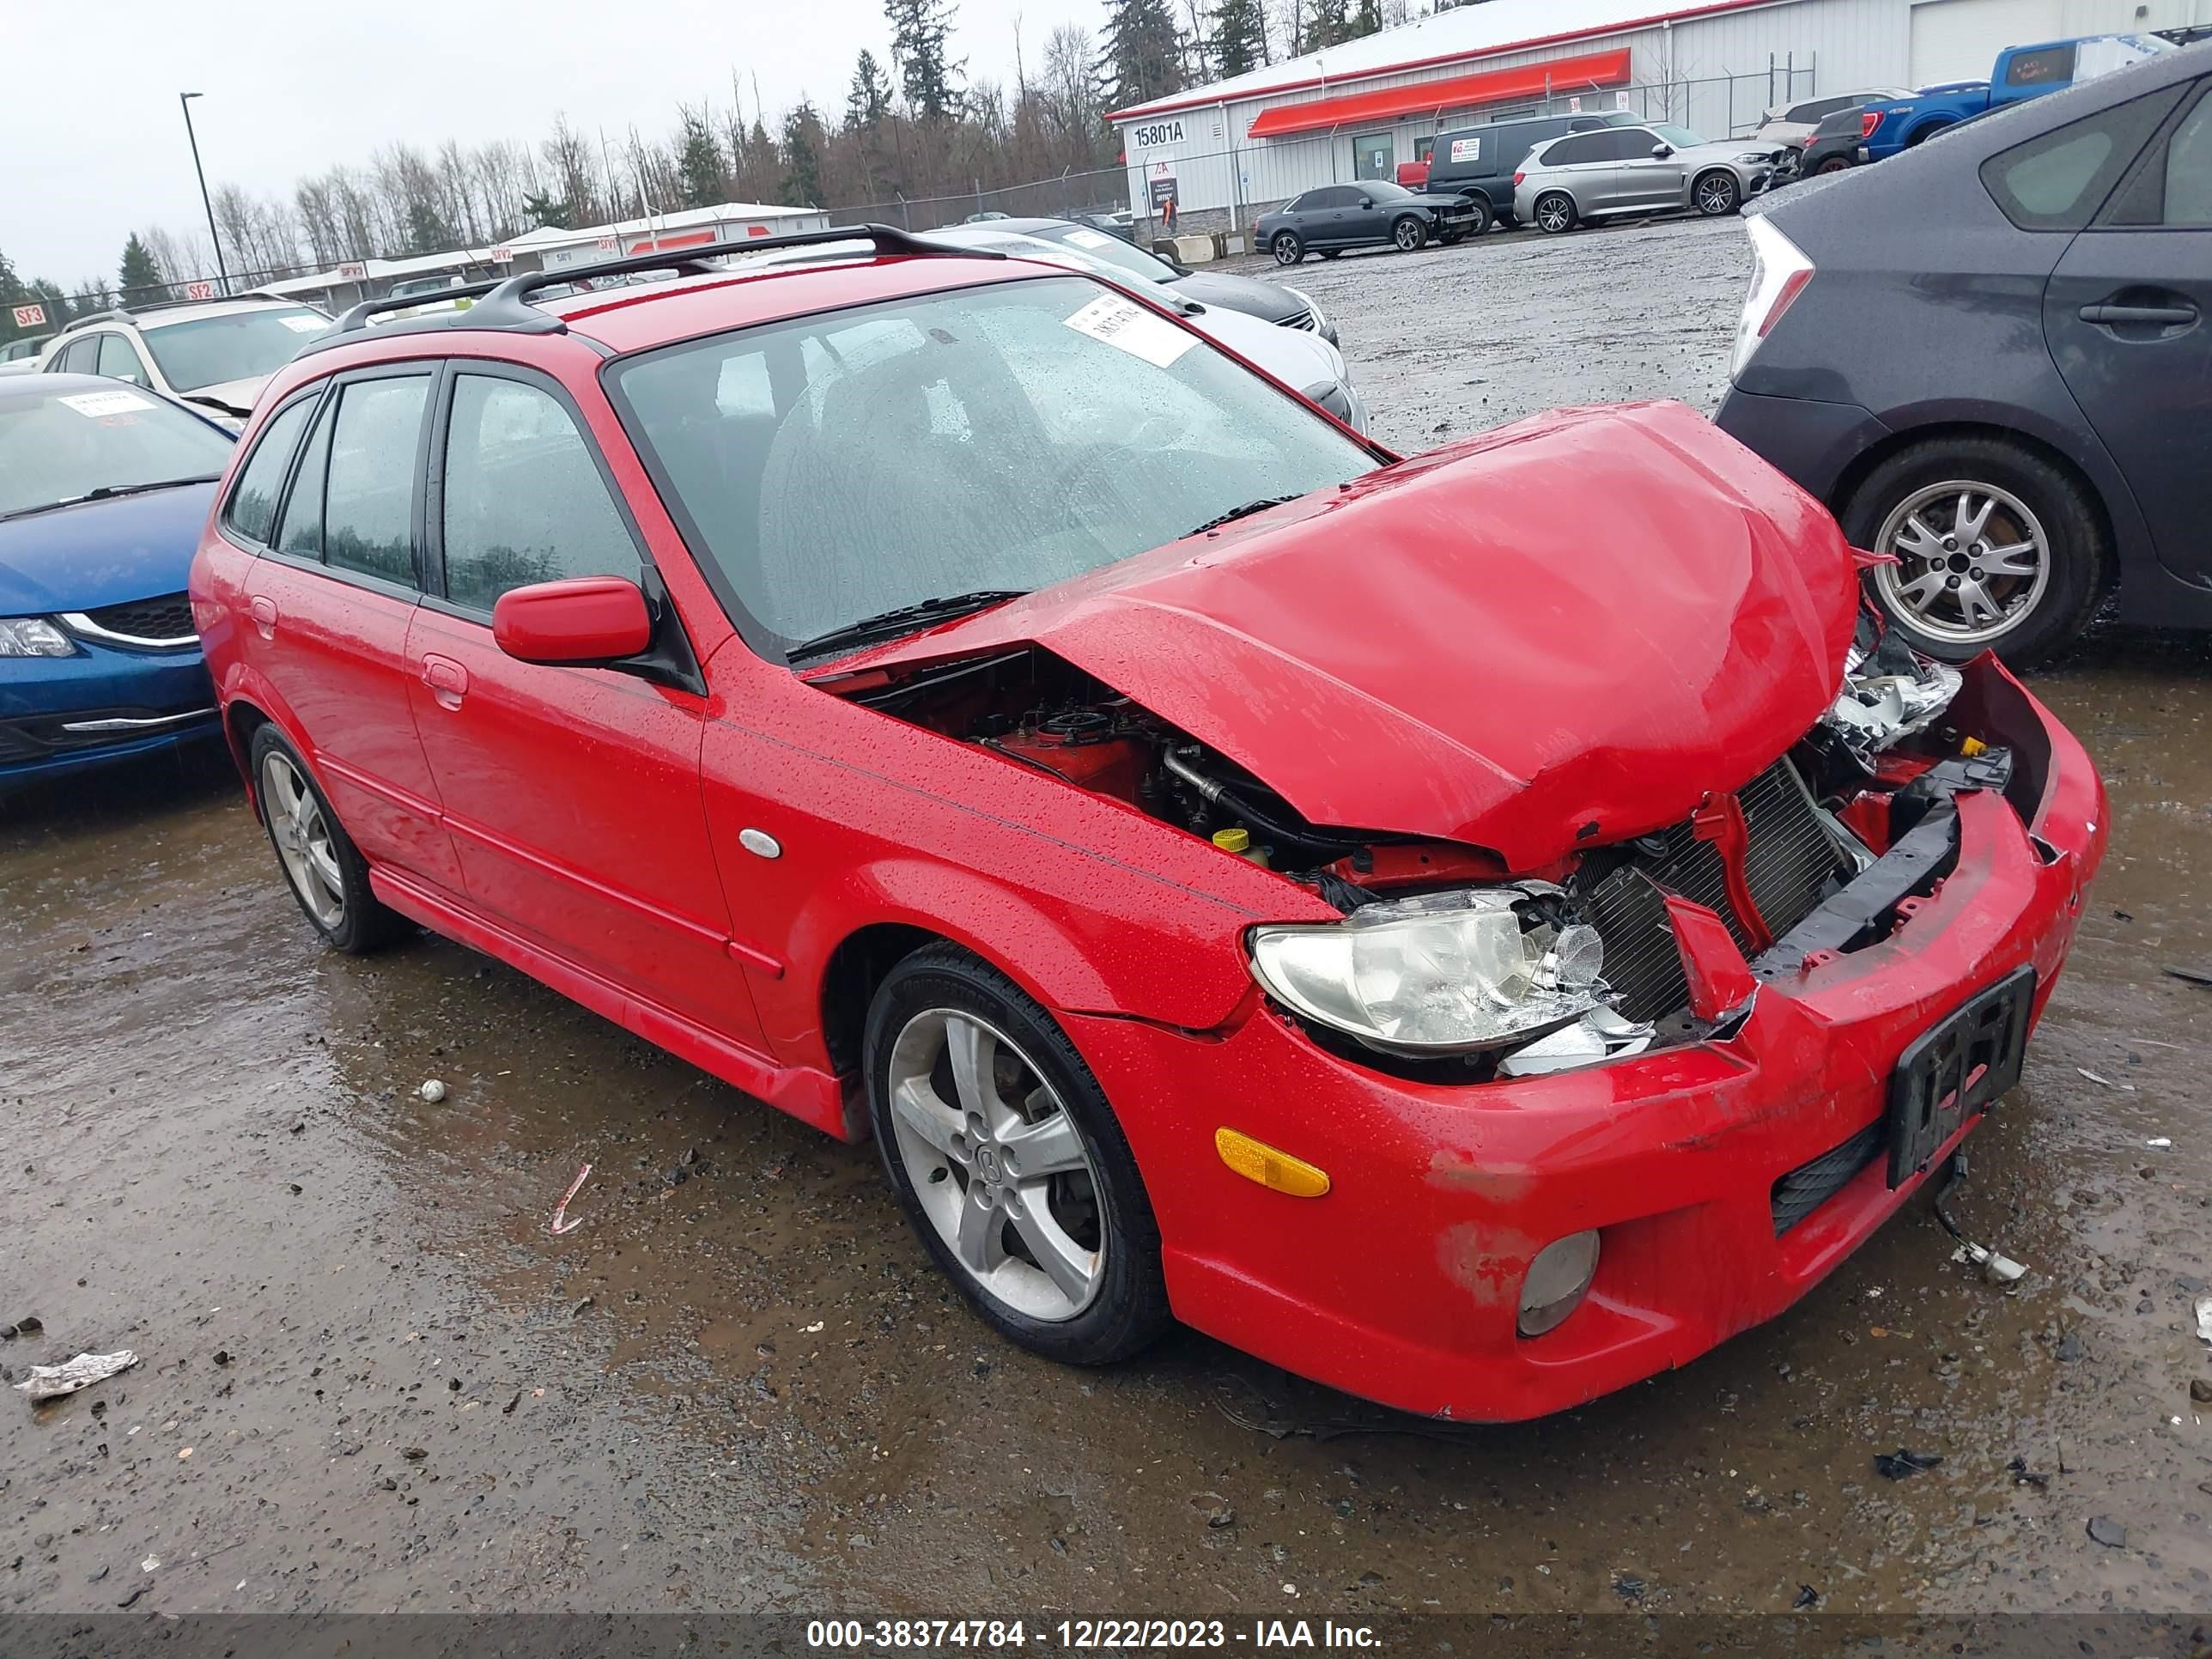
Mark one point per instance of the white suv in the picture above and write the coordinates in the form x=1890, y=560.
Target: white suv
x=215, y=354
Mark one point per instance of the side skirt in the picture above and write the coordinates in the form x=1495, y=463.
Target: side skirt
x=814, y=1097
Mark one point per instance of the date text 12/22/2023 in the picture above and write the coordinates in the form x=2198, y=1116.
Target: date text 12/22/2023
x=993, y=1635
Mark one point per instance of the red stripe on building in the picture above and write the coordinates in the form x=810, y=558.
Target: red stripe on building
x=1560, y=74
x=1595, y=31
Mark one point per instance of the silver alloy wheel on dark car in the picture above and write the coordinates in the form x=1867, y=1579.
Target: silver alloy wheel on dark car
x=997, y=1164
x=1972, y=561
x=304, y=843
x=1717, y=193
x=1555, y=212
x=1409, y=234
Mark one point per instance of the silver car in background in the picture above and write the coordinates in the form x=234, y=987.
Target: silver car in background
x=1653, y=168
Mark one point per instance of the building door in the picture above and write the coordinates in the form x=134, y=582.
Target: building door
x=1375, y=155
x=1960, y=39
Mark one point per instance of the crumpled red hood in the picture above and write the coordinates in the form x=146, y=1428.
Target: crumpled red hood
x=1564, y=633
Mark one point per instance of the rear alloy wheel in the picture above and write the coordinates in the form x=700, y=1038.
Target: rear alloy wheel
x=1286, y=247
x=1555, y=212
x=1009, y=1163
x=1409, y=235
x=324, y=871
x=1716, y=193
x=1834, y=164
x=1995, y=549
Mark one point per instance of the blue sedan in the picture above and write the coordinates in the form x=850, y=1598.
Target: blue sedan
x=104, y=488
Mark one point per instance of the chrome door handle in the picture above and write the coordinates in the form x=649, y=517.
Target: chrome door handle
x=448, y=681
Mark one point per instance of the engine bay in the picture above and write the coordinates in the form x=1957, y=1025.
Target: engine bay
x=1770, y=859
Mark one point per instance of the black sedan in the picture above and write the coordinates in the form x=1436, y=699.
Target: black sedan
x=1989, y=356
x=1373, y=213
x=1834, y=145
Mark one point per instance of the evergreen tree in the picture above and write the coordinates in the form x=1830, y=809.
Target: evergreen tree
x=804, y=140
x=1143, y=58
x=1366, y=18
x=870, y=100
x=427, y=232
x=1328, y=23
x=699, y=170
x=139, y=277
x=541, y=209
x=1240, y=38
x=919, y=30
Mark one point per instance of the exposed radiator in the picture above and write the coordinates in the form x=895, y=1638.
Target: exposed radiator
x=1790, y=865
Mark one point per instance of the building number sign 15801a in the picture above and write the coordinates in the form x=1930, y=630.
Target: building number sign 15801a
x=1156, y=133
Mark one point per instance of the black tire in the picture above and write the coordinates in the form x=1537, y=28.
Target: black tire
x=1129, y=1310
x=1483, y=217
x=2078, y=550
x=1409, y=235
x=1286, y=247
x=1554, y=212
x=1328, y=253
x=1715, y=193
x=1834, y=164
x=364, y=924
x=1449, y=238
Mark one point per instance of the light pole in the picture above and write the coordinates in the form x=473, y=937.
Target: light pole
x=184, y=101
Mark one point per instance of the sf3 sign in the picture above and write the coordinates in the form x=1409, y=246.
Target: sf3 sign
x=30, y=316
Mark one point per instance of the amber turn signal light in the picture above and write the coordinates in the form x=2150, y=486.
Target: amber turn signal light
x=1276, y=1170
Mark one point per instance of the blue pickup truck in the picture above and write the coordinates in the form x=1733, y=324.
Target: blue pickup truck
x=2021, y=72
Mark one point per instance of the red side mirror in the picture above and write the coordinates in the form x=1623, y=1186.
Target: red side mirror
x=585, y=619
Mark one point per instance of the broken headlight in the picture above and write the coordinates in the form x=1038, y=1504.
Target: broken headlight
x=1443, y=973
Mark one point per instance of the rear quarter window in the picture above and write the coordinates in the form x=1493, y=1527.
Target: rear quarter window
x=2045, y=67
x=252, y=510
x=2058, y=179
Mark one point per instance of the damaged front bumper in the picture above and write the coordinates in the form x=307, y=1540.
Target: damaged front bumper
x=1725, y=1177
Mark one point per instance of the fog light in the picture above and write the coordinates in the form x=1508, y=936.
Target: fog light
x=1557, y=1280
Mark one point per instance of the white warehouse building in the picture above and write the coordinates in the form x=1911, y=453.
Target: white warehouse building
x=1228, y=152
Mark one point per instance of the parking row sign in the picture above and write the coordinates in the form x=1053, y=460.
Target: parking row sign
x=30, y=316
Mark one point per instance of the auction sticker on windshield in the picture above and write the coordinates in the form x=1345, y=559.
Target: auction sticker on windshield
x=306, y=324
x=1127, y=325
x=98, y=405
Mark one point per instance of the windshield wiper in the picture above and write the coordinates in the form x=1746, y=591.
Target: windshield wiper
x=109, y=492
x=216, y=404
x=1236, y=513
x=907, y=619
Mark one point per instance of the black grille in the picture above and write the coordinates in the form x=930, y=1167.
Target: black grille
x=1788, y=864
x=1809, y=1186
x=169, y=617
x=1304, y=320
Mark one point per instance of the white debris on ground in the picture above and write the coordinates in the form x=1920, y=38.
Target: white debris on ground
x=52, y=1381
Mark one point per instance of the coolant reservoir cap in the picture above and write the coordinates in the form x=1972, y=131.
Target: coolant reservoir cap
x=1238, y=840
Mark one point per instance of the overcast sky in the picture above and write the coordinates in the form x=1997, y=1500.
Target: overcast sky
x=92, y=144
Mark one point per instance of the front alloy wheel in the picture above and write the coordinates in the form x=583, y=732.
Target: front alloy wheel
x=1717, y=193
x=1409, y=235
x=1009, y=1163
x=1972, y=561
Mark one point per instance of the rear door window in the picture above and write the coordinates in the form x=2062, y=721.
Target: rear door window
x=352, y=506
x=2058, y=179
x=2189, y=170
x=524, y=498
x=1581, y=147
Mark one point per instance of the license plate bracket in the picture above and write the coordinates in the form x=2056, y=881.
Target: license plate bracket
x=1955, y=1069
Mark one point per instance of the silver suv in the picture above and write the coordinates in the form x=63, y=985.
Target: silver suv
x=1652, y=168
x=215, y=354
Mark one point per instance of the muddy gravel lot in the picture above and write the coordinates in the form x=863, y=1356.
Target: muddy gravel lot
x=371, y=1378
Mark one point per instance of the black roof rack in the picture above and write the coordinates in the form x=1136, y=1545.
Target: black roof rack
x=505, y=303
x=358, y=316
x=125, y=313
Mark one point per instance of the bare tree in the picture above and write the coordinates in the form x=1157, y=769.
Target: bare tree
x=568, y=160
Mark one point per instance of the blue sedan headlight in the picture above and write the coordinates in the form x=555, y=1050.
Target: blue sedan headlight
x=33, y=636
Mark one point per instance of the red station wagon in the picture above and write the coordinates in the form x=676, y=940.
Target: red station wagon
x=1476, y=929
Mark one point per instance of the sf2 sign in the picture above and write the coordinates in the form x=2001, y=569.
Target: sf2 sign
x=199, y=290
x=1153, y=134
